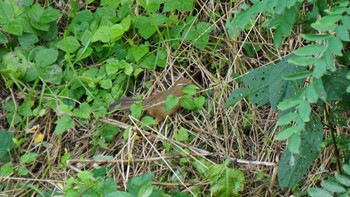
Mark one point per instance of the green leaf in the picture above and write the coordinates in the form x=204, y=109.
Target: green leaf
x=14, y=27
x=317, y=192
x=138, y=52
x=3, y=38
x=342, y=32
x=199, y=102
x=286, y=133
x=6, y=144
x=327, y=23
x=136, y=109
x=181, y=135
x=187, y=102
x=28, y=158
x=303, y=61
x=180, y=5
x=50, y=15
x=292, y=167
x=320, y=69
x=106, y=84
x=190, y=89
x=294, y=144
x=311, y=94
x=136, y=183
x=287, y=118
x=171, y=102
x=14, y=64
x=332, y=186
x=51, y=74
x=296, y=76
x=148, y=120
x=346, y=168
x=22, y=171
x=84, y=111
x=288, y=103
x=68, y=44
x=63, y=124
x=310, y=50
x=101, y=34
x=6, y=169
x=342, y=179
x=151, y=6
x=335, y=45
x=237, y=95
x=225, y=181
x=304, y=110
x=46, y=57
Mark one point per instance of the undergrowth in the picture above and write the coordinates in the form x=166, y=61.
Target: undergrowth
x=263, y=72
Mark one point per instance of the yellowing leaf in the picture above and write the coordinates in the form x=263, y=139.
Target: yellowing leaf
x=38, y=137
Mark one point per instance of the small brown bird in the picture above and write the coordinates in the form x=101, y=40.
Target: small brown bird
x=155, y=104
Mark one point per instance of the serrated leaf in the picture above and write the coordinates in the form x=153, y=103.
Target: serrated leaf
x=171, y=102
x=63, y=124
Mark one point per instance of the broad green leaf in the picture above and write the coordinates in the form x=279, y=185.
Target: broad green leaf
x=14, y=27
x=138, y=52
x=342, y=179
x=101, y=34
x=116, y=32
x=151, y=5
x=303, y=61
x=46, y=57
x=68, y=44
x=237, y=95
x=3, y=38
x=335, y=85
x=135, y=183
x=148, y=120
x=136, y=109
x=63, y=124
x=296, y=76
x=22, y=171
x=171, y=102
x=106, y=83
x=280, y=89
x=180, y=5
x=309, y=50
x=14, y=64
x=292, y=167
x=51, y=74
x=317, y=84
x=311, y=94
x=189, y=89
x=28, y=158
x=317, y=192
x=332, y=186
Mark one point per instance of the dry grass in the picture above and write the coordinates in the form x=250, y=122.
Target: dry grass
x=243, y=132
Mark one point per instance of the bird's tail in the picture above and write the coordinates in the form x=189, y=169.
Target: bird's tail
x=124, y=102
